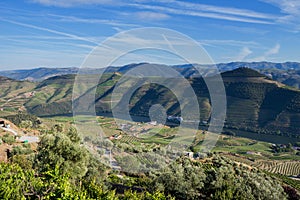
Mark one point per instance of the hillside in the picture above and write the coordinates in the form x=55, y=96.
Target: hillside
x=14, y=94
x=51, y=158
x=287, y=73
x=254, y=102
x=260, y=104
x=52, y=96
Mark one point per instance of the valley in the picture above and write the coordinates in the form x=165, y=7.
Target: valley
x=149, y=100
x=260, y=131
x=255, y=103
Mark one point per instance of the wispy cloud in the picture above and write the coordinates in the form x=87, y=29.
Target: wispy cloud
x=224, y=10
x=272, y=51
x=91, y=20
x=176, y=7
x=46, y=37
x=41, y=43
x=71, y=3
x=197, y=13
x=291, y=9
x=237, y=43
x=151, y=16
x=245, y=52
x=49, y=30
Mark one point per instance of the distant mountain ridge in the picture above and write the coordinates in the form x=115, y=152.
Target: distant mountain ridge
x=287, y=73
x=255, y=102
x=38, y=74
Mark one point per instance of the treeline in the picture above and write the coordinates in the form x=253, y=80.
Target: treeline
x=22, y=117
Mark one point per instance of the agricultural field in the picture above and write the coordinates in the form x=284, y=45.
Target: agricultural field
x=288, y=168
x=129, y=139
x=251, y=149
x=243, y=150
x=280, y=167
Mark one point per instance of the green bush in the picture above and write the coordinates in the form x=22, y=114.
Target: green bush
x=8, y=139
x=216, y=179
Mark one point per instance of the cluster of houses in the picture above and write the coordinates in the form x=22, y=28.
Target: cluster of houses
x=4, y=125
x=195, y=155
x=115, y=137
x=175, y=119
x=284, y=148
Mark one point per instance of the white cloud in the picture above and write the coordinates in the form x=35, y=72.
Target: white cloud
x=152, y=16
x=229, y=43
x=174, y=7
x=50, y=31
x=224, y=10
x=272, y=51
x=197, y=13
x=71, y=3
x=243, y=54
x=291, y=9
x=92, y=20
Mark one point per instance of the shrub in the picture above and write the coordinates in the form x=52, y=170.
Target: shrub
x=8, y=139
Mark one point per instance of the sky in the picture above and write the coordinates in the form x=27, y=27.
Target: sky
x=62, y=33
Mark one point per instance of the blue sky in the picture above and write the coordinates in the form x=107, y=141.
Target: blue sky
x=61, y=33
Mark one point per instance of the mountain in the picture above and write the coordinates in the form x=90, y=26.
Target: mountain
x=52, y=96
x=260, y=65
x=287, y=73
x=14, y=93
x=38, y=74
x=255, y=102
x=261, y=104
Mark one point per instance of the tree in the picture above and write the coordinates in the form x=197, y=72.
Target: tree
x=73, y=135
x=26, y=124
x=182, y=180
x=58, y=150
x=8, y=138
x=58, y=128
x=129, y=163
x=216, y=178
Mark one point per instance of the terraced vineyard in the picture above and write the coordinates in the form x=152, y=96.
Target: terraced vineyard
x=128, y=139
x=288, y=168
x=145, y=159
x=14, y=93
x=239, y=159
x=278, y=167
x=266, y=165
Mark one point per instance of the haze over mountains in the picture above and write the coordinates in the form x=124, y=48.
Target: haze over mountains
x=287, y=73
x=255, y=102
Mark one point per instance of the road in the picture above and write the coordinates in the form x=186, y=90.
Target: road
x=10, y=130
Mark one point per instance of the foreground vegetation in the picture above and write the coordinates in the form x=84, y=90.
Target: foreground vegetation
x=63, y=168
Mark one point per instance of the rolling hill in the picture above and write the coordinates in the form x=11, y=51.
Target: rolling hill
x=255, y=102
x=14, y=94
x=287, y=73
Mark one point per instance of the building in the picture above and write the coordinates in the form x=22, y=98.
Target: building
x=2, y=123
